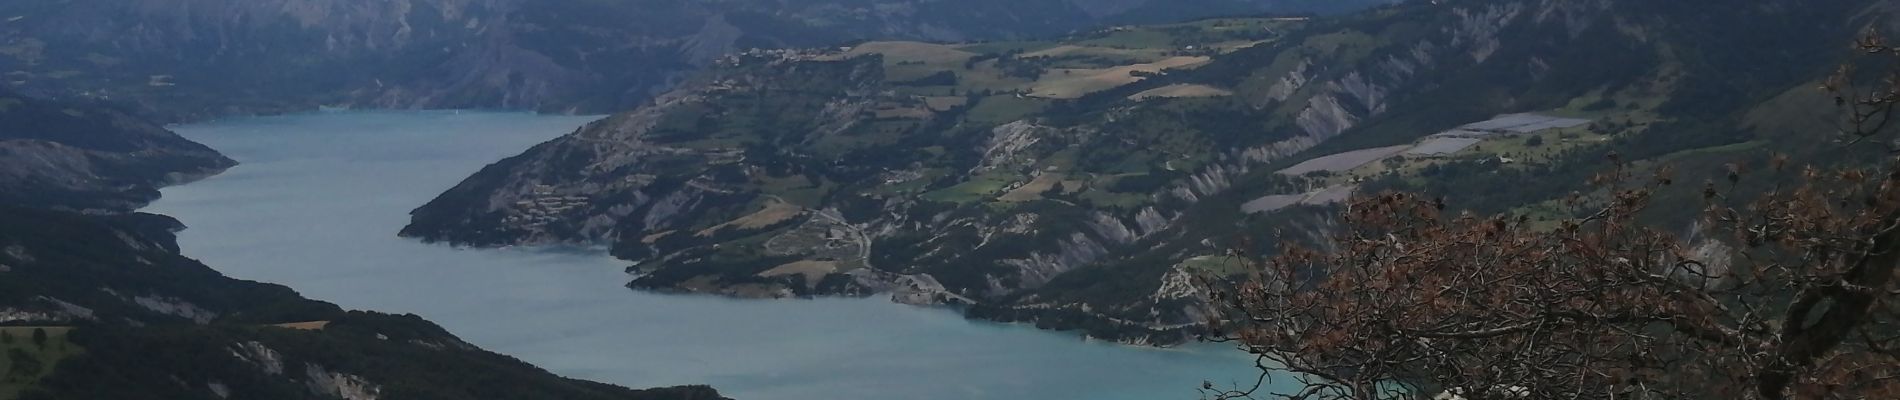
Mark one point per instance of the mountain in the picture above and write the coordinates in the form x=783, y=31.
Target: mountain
x=98, y=302
x=194, y=59
x=87, y=158
x=1089, y=182
x=133, y=319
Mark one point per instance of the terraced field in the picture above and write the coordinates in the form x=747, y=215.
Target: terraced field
x=1064, y=69
x=1506, y=139
x=775, y=211
x=1329, y=195
x=1074, y=83
x=812, y=271
x=1033, y=190
x=1442, y=146
x=1522, y=123
x=1344, y=161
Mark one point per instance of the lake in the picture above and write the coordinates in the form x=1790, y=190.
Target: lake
x=319, y=198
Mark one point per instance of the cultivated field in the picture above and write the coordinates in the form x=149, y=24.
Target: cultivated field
x=775, y=212
x=945, y=103
x=1073, y=83
x=1441, y=146
x=305, y=326
x=813, y=271
x=1344, y=161
x=1105, y=53
x=823, y=239
x=1181, y=91
x=1329, y=195
x=903, y=52
x=1033, y=190
x=1514, y=123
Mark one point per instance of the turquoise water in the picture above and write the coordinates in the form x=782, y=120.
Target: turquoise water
x=319, y=198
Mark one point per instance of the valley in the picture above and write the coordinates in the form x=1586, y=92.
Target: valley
x=1068, y=182
x=751, y=215
x=565, y=310
x=855, y=198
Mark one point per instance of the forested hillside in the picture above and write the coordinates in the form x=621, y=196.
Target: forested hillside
x=82, y=157
x=1085, y=182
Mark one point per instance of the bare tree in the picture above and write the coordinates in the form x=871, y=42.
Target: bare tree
x=1789, y=294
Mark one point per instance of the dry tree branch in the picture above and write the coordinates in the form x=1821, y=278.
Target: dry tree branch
x=1414, y=303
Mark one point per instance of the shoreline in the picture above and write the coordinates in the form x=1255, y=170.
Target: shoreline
x=554, y=306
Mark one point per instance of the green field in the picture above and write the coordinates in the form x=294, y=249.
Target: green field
x=998, y=110
x=1067, y=68
x=27, y=360
x=980, y=188
x=1105, y=198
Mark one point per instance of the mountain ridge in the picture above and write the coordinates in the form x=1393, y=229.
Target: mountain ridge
x=989, y=176
x=193, y=59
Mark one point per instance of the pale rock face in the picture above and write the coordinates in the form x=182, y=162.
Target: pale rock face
x=1716, y=258
x=917, y=289
x=1021, y=224
x=1712, y=257
x=666, y=208
x=1575, y=15
x=17, y=253
x=47, y=309
x=1108, y=227
x=1324, y=116
x=8, y=315
x=1179, y=284
x=715, y=39
x=175, y=307
x=131, y=242
x=219, y=389
x=1209, y=181
x=264, y=358
x=1369, y=96
x=1291, y=83
x=1478, y=31
x=1151, y=221
x=1039, y=268
x=341, y=385
x=1007, y=144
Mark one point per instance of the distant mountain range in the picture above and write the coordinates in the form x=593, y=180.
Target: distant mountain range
x=188, y=59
